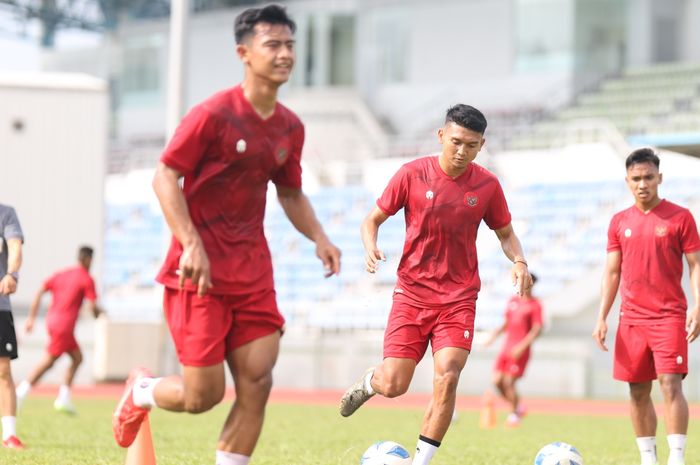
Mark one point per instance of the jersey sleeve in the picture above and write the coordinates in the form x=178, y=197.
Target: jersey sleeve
x=11, y=228
x=536, y=313
x=191, y=140
x=395, y=194
x=289, y=175
x=90, y=293
x=49, y=283
x=613, y=239
x=690, y=242
x=497, y=215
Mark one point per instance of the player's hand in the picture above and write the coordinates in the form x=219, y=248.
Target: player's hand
x=517, y=352
x=8, y=285
x=29, y=325
x=372, y=258
x=520, y=277
x=599, y=333
x=692, y=326
x=329, y=255
x=194, y=265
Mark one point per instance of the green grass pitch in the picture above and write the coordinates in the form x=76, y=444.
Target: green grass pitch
x=317, y=435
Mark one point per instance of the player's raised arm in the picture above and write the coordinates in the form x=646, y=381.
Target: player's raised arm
x=194, y=263
x=369, y=232
x=300, y=212
x=514, y=251
x=693, y=318
x=611, y=282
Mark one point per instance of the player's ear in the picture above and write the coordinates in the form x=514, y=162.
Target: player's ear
x=440, y=133
x=483, y=142
x=661, y=178
x=242, y=52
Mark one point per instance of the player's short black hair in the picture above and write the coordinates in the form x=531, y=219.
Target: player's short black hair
x=534, y=278
x=645, y=155
x=85, y=252
x=467, y=117
x=245, y=22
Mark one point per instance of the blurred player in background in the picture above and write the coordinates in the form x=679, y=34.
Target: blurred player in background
x=444, y=198
x=646, y=245
x=68, y=288
x=522, y=325
x=219, y=295
x=11, y=239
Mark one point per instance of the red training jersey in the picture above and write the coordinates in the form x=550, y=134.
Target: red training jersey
x=521, y=315
x=68, y=287
x=228, y=154
x=652, y=245
x=439, y=263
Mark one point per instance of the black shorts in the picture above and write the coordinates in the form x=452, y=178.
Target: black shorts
x=8, y=337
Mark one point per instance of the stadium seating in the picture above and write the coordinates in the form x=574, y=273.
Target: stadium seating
x=659, y=99
x=562, y=227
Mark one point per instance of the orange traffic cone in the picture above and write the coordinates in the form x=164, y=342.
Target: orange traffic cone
x=487, y=418
x=141, y=452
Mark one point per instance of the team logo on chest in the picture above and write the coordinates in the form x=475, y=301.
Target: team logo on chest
x=661, y=231
x=628, y=232
x=241, y=146
x=471, y=199
x=429, y=195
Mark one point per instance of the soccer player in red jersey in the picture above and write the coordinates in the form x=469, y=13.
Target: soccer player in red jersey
x=220, y=300
x=522, y=325
x=68, y=287
x=444, y=199
x=646, y=245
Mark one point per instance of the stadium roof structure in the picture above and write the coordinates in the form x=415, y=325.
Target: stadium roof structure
x=93, y=15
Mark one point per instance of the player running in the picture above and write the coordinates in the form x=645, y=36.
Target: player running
x=444, y=198
x=522, y=325
x=219, y=295
x=68, y=288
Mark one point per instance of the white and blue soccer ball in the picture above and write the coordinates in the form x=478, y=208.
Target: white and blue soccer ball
x=386, y=453
x=558, y=453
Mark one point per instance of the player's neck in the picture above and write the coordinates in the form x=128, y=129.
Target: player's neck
x=262, y=95
x=646, y=207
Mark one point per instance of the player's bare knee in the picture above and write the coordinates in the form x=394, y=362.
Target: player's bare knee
x=671, y=386
x=202, y=402
x=394, y=387
x=447, y=382
x=256, y=386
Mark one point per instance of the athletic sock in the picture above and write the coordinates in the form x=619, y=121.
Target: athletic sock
x=143, y=392
x=425, y=449
x=647, y=449
x=23, y=389
x=676, y=445
x=64, y=394
x=9, y=427
x=368, y=382
x=229, y=458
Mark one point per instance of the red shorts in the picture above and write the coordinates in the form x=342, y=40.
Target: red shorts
x=61, y=340
x=205, y=329
x=411, y=327
x=642, y=352
x=510, y=366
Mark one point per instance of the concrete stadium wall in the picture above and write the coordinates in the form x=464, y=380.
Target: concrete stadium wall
x=565, y=363
x=53, y=137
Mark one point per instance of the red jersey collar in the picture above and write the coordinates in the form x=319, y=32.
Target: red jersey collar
x=238, y=93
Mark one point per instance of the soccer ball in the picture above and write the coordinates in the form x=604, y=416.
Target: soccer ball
x=558, y=453
x=385, y=453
